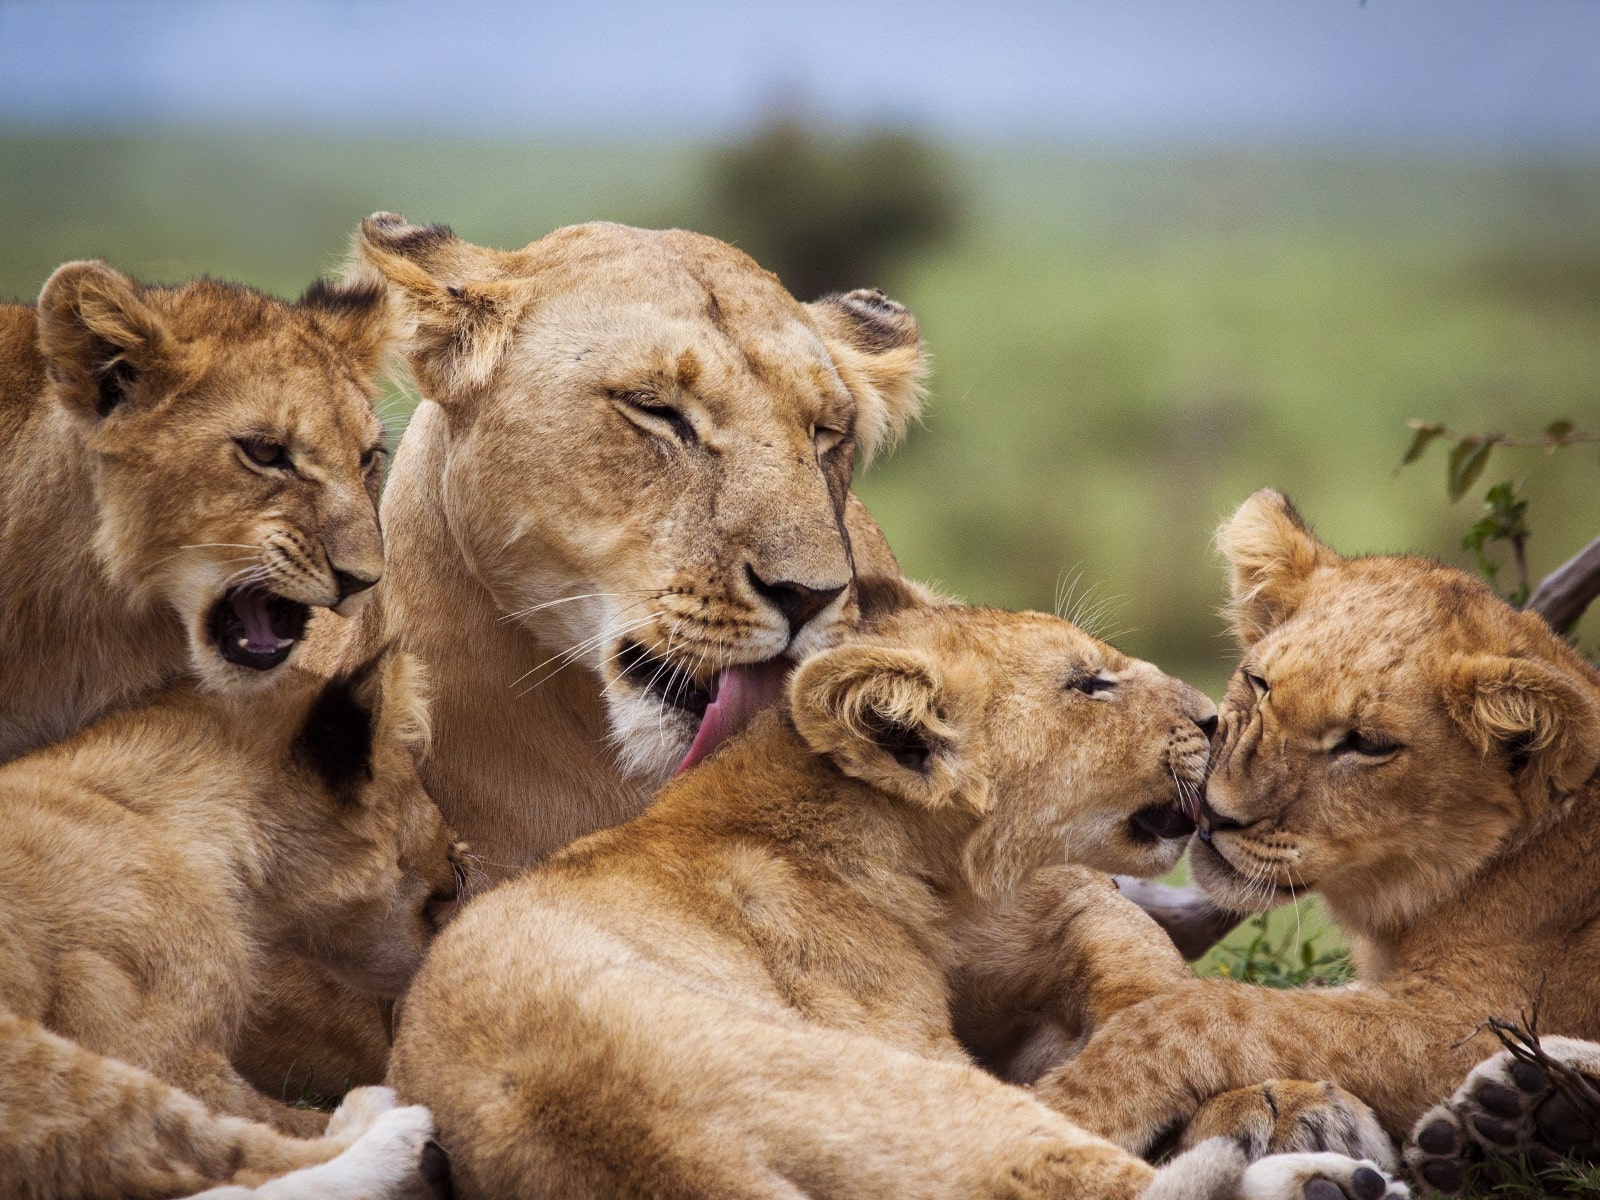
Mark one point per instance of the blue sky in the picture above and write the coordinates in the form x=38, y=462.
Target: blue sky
x=1464, y=72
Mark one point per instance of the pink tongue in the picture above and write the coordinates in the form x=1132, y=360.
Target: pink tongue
x=742, y=692
x=250, y=607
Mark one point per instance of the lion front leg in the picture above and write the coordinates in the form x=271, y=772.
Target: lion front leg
x=1148, y=1070
x=1292, y=1116
x=1037, y=975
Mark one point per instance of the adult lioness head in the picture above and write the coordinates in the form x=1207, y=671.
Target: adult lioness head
x=650, y=446
x=1041, y=741
x=234, y=450
x=1392, y=726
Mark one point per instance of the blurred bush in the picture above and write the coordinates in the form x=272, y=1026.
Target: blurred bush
x=829, y=213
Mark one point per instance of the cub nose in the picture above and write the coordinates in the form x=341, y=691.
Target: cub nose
x=1214, y=822
x=798, y=602
x=349, y=584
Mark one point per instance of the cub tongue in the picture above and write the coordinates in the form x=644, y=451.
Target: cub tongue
x=742, y=691
x=251, y=607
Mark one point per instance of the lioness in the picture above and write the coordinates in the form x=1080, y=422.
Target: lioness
x=743, y=992
x=146, y=866
x=1402, y=742
x=622, y=506
x=184, y=472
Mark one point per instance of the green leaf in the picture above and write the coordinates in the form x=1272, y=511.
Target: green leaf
x=1426, y=431
x=1467, y=462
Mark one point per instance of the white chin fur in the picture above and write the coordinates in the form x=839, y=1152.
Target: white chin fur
x=650, y=738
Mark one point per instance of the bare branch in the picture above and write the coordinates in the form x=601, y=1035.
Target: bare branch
x=1567, y=591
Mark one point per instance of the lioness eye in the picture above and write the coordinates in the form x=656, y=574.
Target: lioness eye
x=1091, y=685
x=370, y=459
x=1367, y=745
x=649, y=405
x=264, y=452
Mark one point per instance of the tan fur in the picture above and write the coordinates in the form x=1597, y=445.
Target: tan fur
x=541, y=517
x=147, y=864
x=1459, y=863
x=538, y=521
x=744, y=992
x=126, y=506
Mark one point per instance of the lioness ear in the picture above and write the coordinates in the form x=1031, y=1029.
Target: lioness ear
x=1272, y=554
x=357, y=315
x=1545, y=721
x=878, y=713
x=98, y=336
x=877, y=351
x=456, y=317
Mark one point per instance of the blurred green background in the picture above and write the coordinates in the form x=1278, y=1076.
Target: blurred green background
x=1125, y=343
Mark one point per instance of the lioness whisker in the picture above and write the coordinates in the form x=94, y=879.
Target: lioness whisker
x=531, y=609
x=566, y=657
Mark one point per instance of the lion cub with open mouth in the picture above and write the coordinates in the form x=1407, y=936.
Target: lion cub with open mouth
x=744, y=992
x=185, y=473
x=146, y=864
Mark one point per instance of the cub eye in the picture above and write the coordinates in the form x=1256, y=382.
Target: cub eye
x=371, y=458
x=648, y=404
x=1366, y=745
x=1257, y=684
x=1091, y=685
x=264, y=452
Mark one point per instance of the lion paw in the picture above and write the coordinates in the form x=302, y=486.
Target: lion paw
x=1290, y=1116
x=1506, y=1109
x=358, y=1110
x=396, y=1158
x=1218, y=1169
x=1318, y=1177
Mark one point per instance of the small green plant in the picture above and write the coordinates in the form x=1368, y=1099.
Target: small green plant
x=1505, y=519
x=1285, y=962
x=1562, y=598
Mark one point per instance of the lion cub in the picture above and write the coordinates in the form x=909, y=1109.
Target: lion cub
x=184, y=473
x=743, y=992
x=146, y=865
x=1401, y=742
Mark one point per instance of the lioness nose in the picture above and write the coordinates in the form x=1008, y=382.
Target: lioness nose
x=1208, y=725
x=350, y=584
x=798, y=602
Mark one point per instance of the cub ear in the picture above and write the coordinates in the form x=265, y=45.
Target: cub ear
x=357, y=315
x=383, y=698
x=335, y=739
x=1546, y=722
x=98, y=336
x=878, y=712
x=456, y=314
x=1273, y=554
x=878, y=353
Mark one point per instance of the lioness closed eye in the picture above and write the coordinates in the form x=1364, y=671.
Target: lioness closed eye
x=184, y=473
x=743, y=992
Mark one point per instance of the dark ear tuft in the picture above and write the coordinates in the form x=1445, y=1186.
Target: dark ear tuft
x=335, y=742
x=877, y=324
x=397, y=234
x=342, y=299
